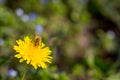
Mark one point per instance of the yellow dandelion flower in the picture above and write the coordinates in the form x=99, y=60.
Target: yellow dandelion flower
x=33, y=52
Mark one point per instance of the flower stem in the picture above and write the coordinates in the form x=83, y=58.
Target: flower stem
x=24, y=73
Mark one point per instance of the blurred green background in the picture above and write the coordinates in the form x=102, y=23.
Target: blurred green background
x=84, y=36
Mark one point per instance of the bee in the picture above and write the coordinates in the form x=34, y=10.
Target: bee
x=37, y=40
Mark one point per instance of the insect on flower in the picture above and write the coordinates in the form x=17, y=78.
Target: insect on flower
x=37, y=40
x=33, y=51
